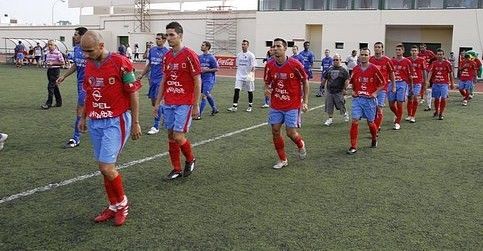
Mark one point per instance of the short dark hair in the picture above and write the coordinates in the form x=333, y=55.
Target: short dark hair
x=364, y=49
x=306, y=42
x=439, y=49
x=245, y=41
x=400, y=46
x=176, y=26
x=376, y=43
x=81, y=30
x=414, y=47
x=161, y=35
x=284, y=43
x=207, y=44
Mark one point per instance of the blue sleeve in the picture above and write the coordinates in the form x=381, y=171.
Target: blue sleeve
x=213, y=63
x=311, y=58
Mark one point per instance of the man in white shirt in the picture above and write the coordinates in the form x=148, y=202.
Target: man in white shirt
x=245, y=76
x=351, y=61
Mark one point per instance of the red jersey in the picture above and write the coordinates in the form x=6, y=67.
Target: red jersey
x=286, y=83
x=108, y=87
x=180, y=70
x=428, y=55
x=403, y=69
x=468, y=70
x=419, y=66
x=384, y=64
x=366, y=82
x=440, y=71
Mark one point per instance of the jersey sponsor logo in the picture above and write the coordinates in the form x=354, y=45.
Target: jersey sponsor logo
x=96, y=82
x=112, y=80
x=173, y=67
x=96, y=94
x=174, y=76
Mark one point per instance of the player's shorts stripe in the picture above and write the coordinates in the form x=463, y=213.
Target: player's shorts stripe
x=188, y=119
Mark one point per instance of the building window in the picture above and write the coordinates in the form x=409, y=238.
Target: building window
x=363, y=46
x=339, y=45
x=315, y=4
x=293, y=5
x=429, y=4
x=398, y=4
x=468, y=4
x=366, y=4
x=270, y=5
x=340, y=4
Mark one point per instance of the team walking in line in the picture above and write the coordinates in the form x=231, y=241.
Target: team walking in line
x=181, y=84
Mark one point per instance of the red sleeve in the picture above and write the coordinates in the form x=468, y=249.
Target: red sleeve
x=193, y=63
x=390, y=66
x=266, y=74
x=299, y=70
x=379, y=79
x=410, y=68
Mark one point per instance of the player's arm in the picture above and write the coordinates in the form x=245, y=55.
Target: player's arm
x=305, y=100
x=197, y=90
x=69, y=72
x=451, y=78
x=145, y=70
x=159, y=97
x=267, y=80
x=135, y=128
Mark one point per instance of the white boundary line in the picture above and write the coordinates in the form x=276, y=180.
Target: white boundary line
x=126, y=165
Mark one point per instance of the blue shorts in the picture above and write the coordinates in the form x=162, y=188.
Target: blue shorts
x=465, y=85
x=291, y=118
x=177, y=117
x=400, y=94
x=364, y=108
x=309, y=73
x=206, y=87
x=153, y=88
x=108, y=136
x=439, y=91
x=381, y=98
x=20, y=56
x=416, y=90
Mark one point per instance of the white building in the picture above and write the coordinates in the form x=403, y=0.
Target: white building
x=338, y=25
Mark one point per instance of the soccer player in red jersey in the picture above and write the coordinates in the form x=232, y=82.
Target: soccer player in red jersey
x=403, y=70
x=367, y=81
x=384, y=64
x=286, y=83
x=468, y=72
x=419, y=79
x=440, y=75
x=179, y=96
x=429, y=56
x=112, y=105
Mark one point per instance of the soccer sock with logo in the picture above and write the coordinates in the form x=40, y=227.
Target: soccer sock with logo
x=379, y=117
x=373, y=130
x=111, y=195
x=187, y=151
x=202, y=105
x=354, y=133
x=118, y=188
x=174, y=155
x=279, y=147
x=442, y=105
x=399, y=112
x=76, y=130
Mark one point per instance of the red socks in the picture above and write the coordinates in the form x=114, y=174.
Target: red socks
x=111, y=195
x=279, y=146
x=465, y=93
x=354, y=133
x=299, y=141
x=392, y=106
x=373, y=129
x=379, y=117
x=442, y=105
x=174, y=153
x=399, y=112
x=414, y=107
x=187, y=151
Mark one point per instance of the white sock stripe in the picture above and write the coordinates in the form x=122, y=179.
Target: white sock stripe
x=126, y=165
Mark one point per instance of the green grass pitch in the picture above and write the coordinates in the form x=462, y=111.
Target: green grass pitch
x=422, y=188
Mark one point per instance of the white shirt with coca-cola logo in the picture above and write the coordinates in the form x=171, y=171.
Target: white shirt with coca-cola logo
x=245, y=61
